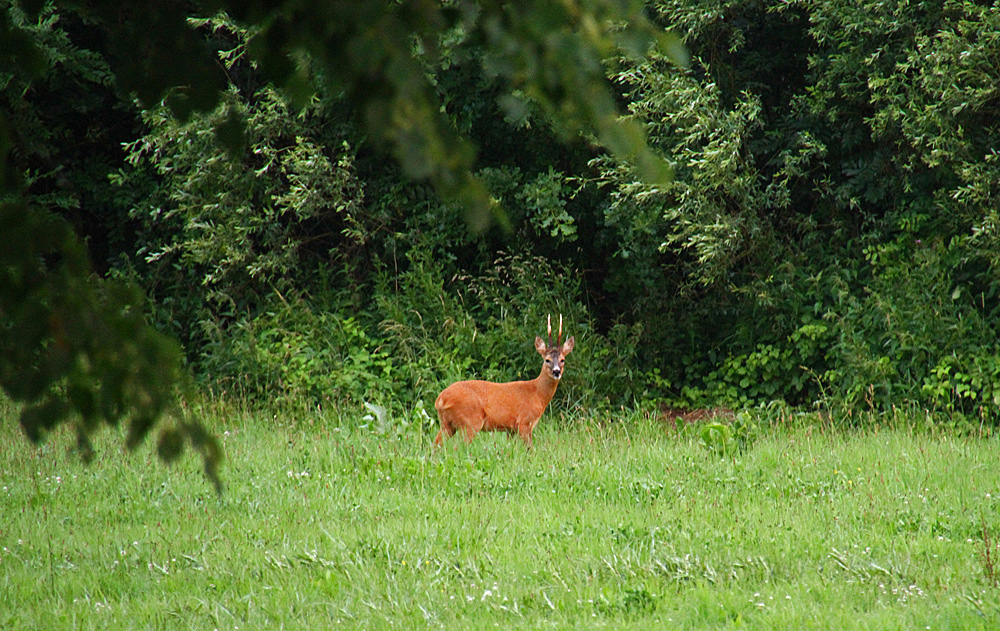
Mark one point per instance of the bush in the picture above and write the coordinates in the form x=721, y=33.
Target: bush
x=830, y=234
x=300, y=351
x=827, y=230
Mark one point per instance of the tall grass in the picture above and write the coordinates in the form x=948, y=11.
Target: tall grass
x=608, y=523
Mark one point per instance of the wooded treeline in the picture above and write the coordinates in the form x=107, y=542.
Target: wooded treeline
x=830, y=232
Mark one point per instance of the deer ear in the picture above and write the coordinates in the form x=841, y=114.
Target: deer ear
x=540, y=345
x=567, y=348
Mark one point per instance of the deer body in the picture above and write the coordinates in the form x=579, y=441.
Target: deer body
x=514, y=407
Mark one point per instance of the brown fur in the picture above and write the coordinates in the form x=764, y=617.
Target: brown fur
x=514, y=407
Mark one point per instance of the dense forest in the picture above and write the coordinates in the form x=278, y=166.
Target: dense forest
x=828, y=233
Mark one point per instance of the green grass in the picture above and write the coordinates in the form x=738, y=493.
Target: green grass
x=325, y=524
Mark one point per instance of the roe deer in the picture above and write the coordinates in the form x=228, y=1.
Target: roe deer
x=513, y=407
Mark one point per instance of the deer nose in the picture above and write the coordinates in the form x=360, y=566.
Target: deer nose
x=556, y=372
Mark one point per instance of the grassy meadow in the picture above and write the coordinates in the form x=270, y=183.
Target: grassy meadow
x=326, y=523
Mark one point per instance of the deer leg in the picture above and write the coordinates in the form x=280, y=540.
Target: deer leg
x=440, y=438
x=470, y=433
x=447, y=429
x=525, y=433
x=473, y=424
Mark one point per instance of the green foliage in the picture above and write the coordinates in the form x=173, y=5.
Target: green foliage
x=239, y=229
x=711, y=209
x=829, y=236
x=76, y=351
x=922, y=320
x=542, y=200
x=376, y=56
x=774, y=266
x=236, y=252
x=718, y=438
x=545, y=197
x=728, y=440
x=299, y=351
x=826, y=233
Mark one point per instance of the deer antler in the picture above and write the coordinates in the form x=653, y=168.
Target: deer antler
x=550, y=329
x=559, y=337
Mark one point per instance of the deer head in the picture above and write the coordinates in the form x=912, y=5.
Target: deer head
x=554, y=356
